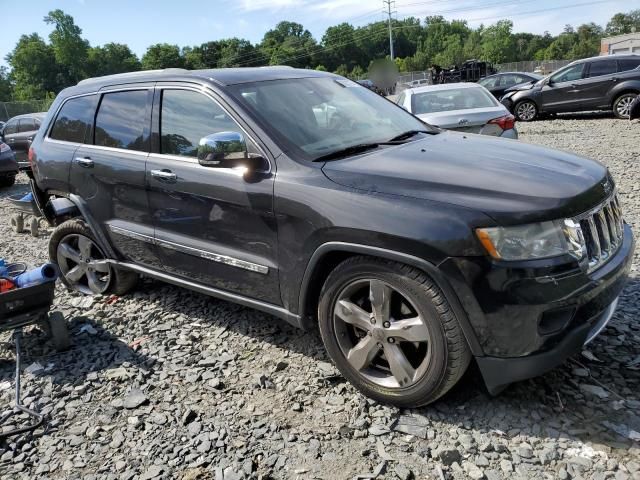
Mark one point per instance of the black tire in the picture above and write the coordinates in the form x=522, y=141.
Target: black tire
x=120, y=282
x=622, y=104
x=450, y=354
x=7, y=181
x=521, y=111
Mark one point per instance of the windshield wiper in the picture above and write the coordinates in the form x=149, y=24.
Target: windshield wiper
x=408, y=134
x=345, y=152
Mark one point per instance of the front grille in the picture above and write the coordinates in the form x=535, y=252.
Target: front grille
x=603, y=230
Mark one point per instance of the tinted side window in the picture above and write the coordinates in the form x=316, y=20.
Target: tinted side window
x=628, y=64
x=11, y=127
x=569, y=74
x=73, y=123
x=603, y=67
x=121, y=120
x=26, y=125
x=186, y=117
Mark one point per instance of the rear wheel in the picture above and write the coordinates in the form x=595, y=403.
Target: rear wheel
x=525, y=111
x=622, y=105
x=391, y=332
x=83, y=264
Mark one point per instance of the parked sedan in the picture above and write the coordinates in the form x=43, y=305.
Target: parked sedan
x=465, y=107
x=600, y=83
x=18, y=133
x=499, y=82
x=8, y=166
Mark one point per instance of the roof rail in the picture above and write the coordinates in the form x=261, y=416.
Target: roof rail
x=130, y=74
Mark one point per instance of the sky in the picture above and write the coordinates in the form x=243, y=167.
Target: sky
x=140, y=23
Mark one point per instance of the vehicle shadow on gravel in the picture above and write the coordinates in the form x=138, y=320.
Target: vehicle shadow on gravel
x=93, y=349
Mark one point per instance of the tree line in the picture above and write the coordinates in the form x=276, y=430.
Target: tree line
x=40, y=69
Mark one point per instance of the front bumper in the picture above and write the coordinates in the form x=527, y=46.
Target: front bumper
x=528, y=320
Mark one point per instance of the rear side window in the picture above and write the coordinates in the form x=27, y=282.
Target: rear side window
x=11, y=127
x=603, y=67
x=121, y=120
x=73, y=123
x=628, y=64
x=186, y=117
x=26, y=125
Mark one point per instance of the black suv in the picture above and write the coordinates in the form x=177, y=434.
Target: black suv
x=308, y=196
x=598, y=83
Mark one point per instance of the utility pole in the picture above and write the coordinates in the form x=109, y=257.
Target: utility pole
x=388, y=4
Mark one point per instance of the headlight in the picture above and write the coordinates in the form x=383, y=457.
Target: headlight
x=507, y=95
x=536, y=240
x=4, y=148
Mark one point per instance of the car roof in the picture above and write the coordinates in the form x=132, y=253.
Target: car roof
x=624, y=56
x=38, y=115
x=221, y=76
x=444, y=86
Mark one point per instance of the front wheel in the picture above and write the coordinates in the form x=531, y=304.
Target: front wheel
x=82, y=263
x=525, y=111
x=390, y=331
x=622, y=105
x=7, y=181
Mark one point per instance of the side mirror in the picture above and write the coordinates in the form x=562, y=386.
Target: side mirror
x=227, y=150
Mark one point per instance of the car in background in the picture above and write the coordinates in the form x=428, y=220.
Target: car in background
x=18, y=133
x=8, y=166
x=498, y=83
x=371, y=86
x=464, y=107
x=599, y=83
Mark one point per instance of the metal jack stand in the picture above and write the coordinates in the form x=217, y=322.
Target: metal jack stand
x=17, y=336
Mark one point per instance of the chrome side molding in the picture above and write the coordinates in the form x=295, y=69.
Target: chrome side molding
x=207, y=255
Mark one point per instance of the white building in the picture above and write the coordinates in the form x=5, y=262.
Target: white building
x=620, y=44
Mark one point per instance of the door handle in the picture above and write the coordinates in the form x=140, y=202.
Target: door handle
x=85, y=162
x=164, y=175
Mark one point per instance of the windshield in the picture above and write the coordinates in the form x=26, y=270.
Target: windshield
x=451, y=99
x=315, y=117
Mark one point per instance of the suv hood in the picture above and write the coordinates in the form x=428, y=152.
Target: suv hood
x=511, y=181
x=522, y=87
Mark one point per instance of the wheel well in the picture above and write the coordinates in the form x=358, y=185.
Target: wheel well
x=323, y=268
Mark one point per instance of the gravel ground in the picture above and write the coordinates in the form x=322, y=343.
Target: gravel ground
x=165, y=383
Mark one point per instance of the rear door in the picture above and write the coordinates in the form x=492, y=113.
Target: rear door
x=563, y=91
x=212, y=225
x=600, y=76
x=109, y=173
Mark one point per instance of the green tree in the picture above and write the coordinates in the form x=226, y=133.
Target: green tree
x=291, y=44
x=111, y=58
x=6, y=87
x=34, y=68
x=498, y=45
x=622, y=23
x=162, y=55
x=69, y=48
x=339, y=47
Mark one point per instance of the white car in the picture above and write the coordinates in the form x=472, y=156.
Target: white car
x=466, y=107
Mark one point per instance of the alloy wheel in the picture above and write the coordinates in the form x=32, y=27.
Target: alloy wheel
x=526, y=111
x=381, y=334
x=83, y=264
x=623, y=107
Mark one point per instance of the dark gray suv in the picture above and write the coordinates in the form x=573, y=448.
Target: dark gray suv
x=18, y=133
x=306, y=195
x=598, y=83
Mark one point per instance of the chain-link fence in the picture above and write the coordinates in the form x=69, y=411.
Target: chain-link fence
x=11, y=109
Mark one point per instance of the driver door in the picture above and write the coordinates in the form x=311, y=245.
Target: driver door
x=563, y=90
x=213, y=225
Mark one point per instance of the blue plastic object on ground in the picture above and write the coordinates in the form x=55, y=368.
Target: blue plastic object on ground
x=27, y=198
x=45, y=273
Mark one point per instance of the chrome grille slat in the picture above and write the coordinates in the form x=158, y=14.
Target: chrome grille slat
x=603, y=229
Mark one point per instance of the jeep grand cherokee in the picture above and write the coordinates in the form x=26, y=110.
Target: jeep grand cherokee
x=308, y=196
